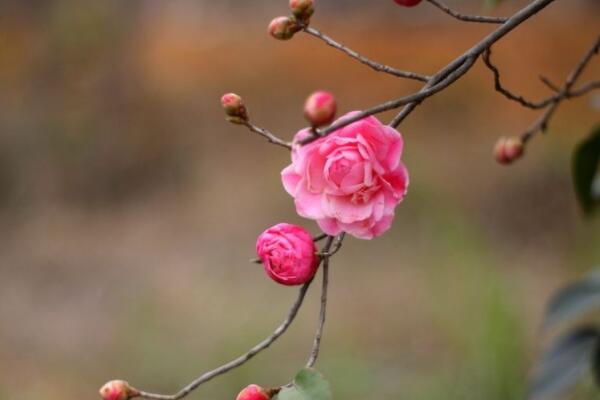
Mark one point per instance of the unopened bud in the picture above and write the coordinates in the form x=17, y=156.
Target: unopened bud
x=302, y=9
x=255, y=392
x=320, y=108
x=283, y=28
x=234, y=108
x=118, y=390
x=508, y=150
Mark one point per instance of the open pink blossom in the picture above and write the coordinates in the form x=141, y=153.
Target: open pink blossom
x=350, y=180
x=288, y=254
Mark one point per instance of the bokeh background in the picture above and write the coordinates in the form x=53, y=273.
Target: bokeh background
x=130, y=208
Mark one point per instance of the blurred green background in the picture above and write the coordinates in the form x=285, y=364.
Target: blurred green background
x=130, y=208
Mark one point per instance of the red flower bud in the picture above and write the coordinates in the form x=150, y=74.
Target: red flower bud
x=283, y=28
x=407, y=3
x=118, y=390
x=234, y=108
x=302, y=9
x=320, y=108
x=253, y=392
x=508, y=150
x=288, y=254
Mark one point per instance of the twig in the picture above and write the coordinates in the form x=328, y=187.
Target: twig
x=375, y=65
x=241, y=359
x=320, y=237
x=584, y=89
x=446, y=76
x=507, y=93
x=314, y=354
x=549, y=83
x=267, y=135
x=566, y=92
x=467, y=18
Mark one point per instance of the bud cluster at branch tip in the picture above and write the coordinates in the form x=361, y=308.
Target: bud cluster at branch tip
x=234, y=108
x=255, y=392
x=320, y=108
x=284, y=28
x=407, y=3
x=118, y=390
x=302, y=9
x=508, y=150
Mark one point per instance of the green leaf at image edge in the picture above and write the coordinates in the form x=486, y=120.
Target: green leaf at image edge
x=585, y=169
x=309, y=384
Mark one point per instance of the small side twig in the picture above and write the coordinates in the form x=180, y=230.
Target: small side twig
x=507, y=93
x=267, y=135
x=467, y=18
x=375, y=65
x=566, y=92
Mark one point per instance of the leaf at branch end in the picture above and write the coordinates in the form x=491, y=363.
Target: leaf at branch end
x=574, y=300
x=309, y=384
x=585, y=170
x=564, y=363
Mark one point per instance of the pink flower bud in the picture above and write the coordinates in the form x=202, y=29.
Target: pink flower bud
x=234, y=108
x=283, y=28
x=508, y=150
x=117, y=390
x=302, y=9
x=320, y=108
x=288, y=254
x=253, y=392
x=407, y=3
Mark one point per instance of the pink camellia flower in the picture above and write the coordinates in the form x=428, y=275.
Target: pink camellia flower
x=288, y=254
x=350, y=180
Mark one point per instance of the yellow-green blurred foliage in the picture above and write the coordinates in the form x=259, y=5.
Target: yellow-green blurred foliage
x=130, y=207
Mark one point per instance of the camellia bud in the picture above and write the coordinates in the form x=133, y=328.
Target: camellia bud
x=283, y=28
x=407, y=3
x=118, y=390
x=302, y=9
x=253, y=392
x=508, y=150
x=234, y=108
x=288, y=254
x=320, y=108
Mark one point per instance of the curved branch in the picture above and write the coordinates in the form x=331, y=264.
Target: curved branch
x=467, y=18
x=375, y=65
x=238, y=361
x=507, y=93
x=314, y=354
x=566, y=92
x=446, y=76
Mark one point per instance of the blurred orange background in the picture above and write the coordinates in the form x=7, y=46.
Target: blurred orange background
x=130, y=207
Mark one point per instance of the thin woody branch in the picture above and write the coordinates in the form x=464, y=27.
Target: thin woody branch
x=267, y=135
x=314, y=354
x=566, y=92
x=446, y=76
x=375, y=65
x=239, y=360
x=510, y=95
x=465, y=17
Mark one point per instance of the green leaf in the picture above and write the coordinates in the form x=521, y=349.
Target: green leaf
x=567, y=360
x=574, y=300
x=309, y=384
x=585, y=170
